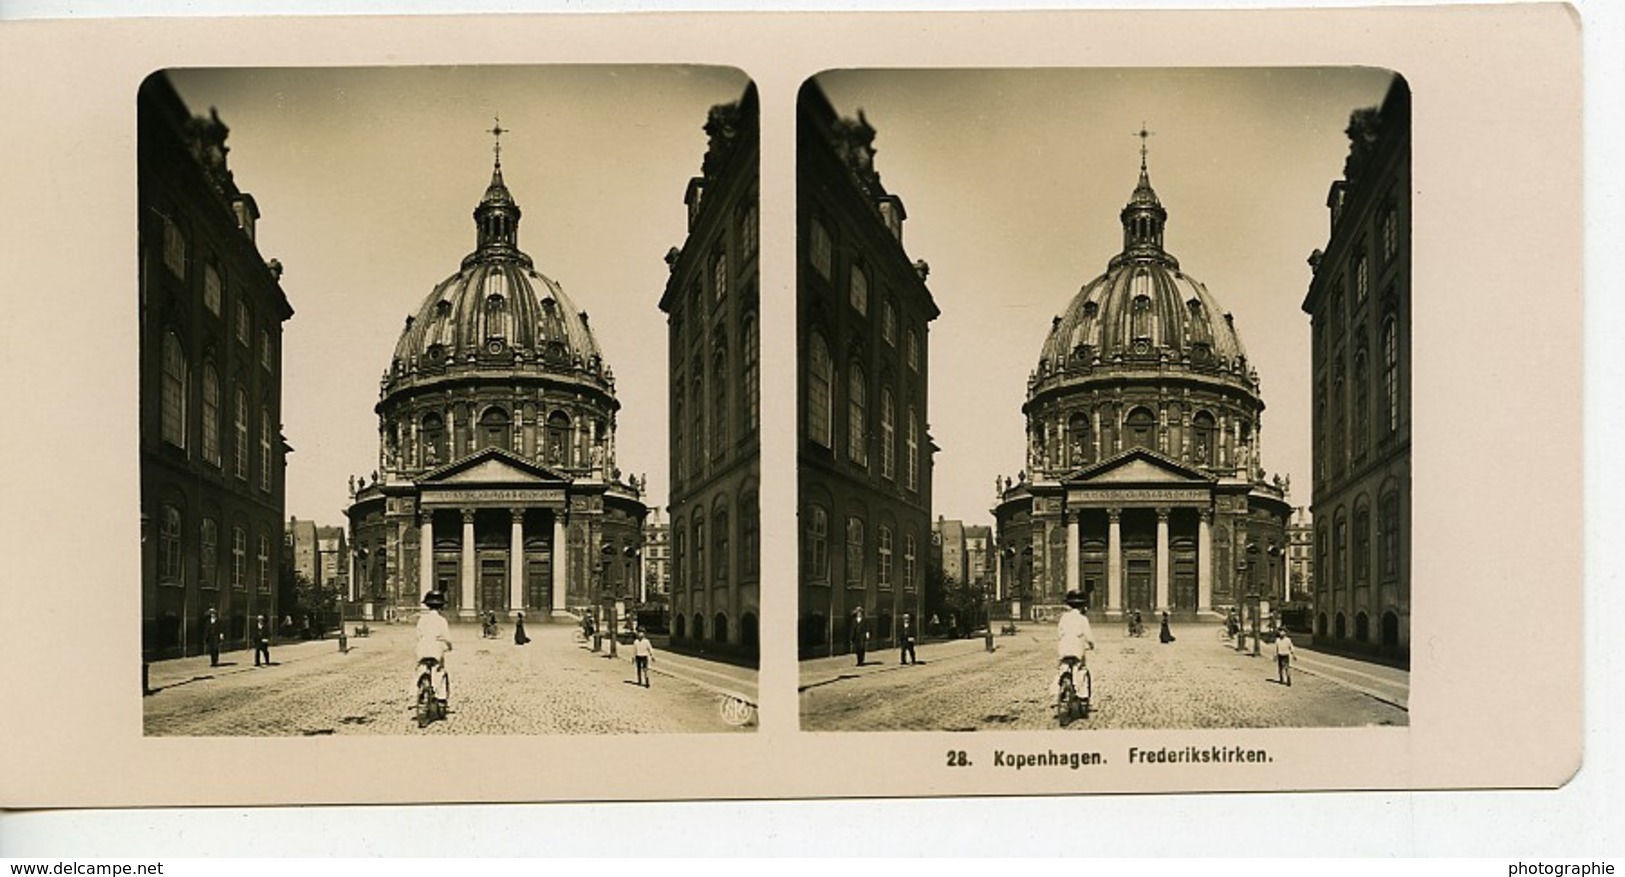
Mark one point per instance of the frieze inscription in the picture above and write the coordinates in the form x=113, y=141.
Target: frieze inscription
x=1138, y=495
x=495, y=495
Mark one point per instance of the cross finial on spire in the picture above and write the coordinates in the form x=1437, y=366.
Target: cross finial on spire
x=1143, y=135
x=497, y=131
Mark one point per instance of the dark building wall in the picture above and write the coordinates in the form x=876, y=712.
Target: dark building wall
x=211, y=314
x=1359, y=307
x=864, y=471
x=712, y=300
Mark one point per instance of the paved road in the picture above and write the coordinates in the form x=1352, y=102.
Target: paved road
x=1198, y=681
x=553, y=685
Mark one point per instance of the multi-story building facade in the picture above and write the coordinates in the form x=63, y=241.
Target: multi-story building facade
x=1359, y=304
x=301, y=541
x=212, y=450
x=864, y=455
x=656, y=558
x=1300, y=537
x=497, y=480
x=714, y=329
x=1143, y=486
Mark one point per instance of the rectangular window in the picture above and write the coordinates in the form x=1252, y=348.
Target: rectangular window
x=888, y=322
x=265, y=348
x=911, y=466
x=816, y=564
x=265, y=565
x=1362, y=279
x=239, y=557
x=242, y=321
x=265, y=448
x=719, y=275
x=820, y=250
x=859, y=291
x=884, y=547
x=1390, y=233
x=913, y=351
x=174, y=249
x=749, y=232
x=208, y=554
x=211, y=289
x=908, y=563
x=169, y=546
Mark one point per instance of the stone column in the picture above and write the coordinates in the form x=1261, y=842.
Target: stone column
x=1073, y=523
x=426, y=553
x=998, y=574
x=468, y=563
x=1114, y=559
x=516, y=562
x=1162, y=559
x=560, y=559
x=1204, y=562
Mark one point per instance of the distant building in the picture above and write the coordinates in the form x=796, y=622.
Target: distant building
x=864, y=455
x=1359, y=304
x=211, y=447
x=301, y=540
x=498, y=483
x=712, y=302
x=1143, y=486
x=1300, y=536
x=656, y=557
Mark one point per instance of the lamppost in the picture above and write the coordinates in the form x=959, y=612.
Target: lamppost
x=1252, y=590
x=607, y=551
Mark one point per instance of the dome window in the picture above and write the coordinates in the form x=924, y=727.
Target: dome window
x=496, y=346
x=1091, y=309
x=442, y=307
x=1142, y=428
x=436, y=353
x=495, y=301
x=494, y=429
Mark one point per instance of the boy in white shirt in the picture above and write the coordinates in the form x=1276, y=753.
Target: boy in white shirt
x=642, y=653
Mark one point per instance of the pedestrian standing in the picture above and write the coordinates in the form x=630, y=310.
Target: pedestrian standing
x=212, y=635
x=519, y=637
x=642, y=654
x=860, y=634
x=262, y=641
x=906, y=635
x=1283, y=657
x=1167, y=636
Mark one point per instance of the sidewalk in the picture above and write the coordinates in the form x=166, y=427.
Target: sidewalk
x=1385, y=683
x=728, y=680
x=171, y=672
x=822, y=671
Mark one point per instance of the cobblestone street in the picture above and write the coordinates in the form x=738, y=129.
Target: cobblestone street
x=1198, y=681
x=553, y=685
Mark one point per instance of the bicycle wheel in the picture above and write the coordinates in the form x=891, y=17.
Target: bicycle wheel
x=426, y=702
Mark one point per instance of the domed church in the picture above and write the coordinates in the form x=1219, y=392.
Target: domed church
x=497, y=481
x=1142, y=486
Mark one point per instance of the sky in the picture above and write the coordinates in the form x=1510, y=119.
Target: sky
x=367, y=178
x=1013, y=181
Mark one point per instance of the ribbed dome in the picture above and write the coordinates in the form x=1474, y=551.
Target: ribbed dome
x=497, y=312
x=1143, y=308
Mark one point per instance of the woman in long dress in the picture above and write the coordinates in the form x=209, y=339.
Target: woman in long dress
x=1167, y=635
x=519, y=637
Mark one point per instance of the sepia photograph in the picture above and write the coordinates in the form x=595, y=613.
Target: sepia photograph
x=1044, y=480
x=406, y=460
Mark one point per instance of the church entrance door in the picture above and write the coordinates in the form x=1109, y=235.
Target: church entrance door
x=1140, y=593
x=493, y=583
x=539, y=584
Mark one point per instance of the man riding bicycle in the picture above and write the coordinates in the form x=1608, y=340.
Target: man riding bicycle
x=1073, y=638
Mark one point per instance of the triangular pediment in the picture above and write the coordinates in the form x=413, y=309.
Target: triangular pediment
x=493, y=466
x=1138, y=466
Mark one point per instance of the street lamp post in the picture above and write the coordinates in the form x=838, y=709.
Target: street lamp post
x=1252, y=590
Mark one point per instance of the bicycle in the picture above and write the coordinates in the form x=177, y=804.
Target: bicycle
x=1073, y=702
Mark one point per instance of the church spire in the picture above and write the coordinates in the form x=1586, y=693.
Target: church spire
x=1143, y=217
x=496, y=219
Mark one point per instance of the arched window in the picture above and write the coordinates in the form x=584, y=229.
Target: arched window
x=239, y=558
x=719, y=401
x=172, y=410
x=1340, y=550
x=1362, y=543
x=857, y=404
x=169, y=545
x=751, y=391
x=208, y=553
x=719, y=628
x=211, y=414
x=883, y=547
x=888, y=322
x=1388, y=547
x=815, y=544
x=240, y=431
x=264, y=561
x=1390, y=370
x=750, y=543
x=265, y=447
x=558, y=439
x=859, y=292
x=719, y=533
x=700, y=570
x=854, y=551
x=888, y=436
x=496, y=430
x=1141, y=315
x=1142, y=428
x=908, y=561
x=1078, y=442
x=433, y=439
x=911, y=446
x=820, y=386
x=1362, y=403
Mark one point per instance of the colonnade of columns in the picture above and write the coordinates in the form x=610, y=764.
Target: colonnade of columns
x=516, y=560
x=1114, y=557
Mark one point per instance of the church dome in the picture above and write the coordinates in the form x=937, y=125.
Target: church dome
x=497, y=313
x=1143, y=311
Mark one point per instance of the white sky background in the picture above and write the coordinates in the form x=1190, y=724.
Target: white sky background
x=367, y=180
x=1013, y=180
